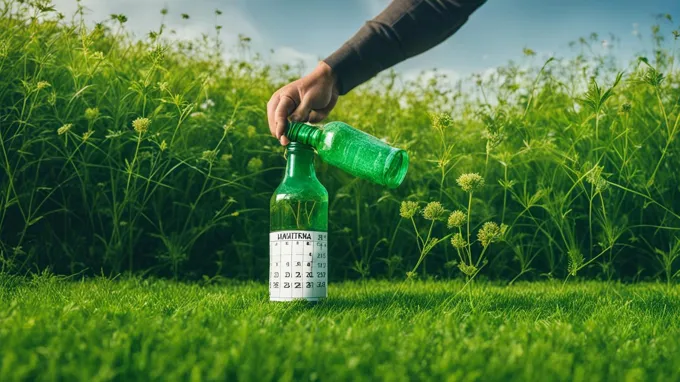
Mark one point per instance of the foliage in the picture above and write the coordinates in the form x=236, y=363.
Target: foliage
x=153, y=156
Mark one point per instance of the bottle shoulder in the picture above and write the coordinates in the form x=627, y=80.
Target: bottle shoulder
x=301, y=189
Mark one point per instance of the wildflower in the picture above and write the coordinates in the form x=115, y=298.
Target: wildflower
x=52, y=98
x=163, y=86
x=225, y=158
x=157, y=55
x=456, y=219
x=434, y=211
x=470, y=182
x=595, y=178
x=254, y=164
x=209, y=155
x=98, y=55
x=251, y=131
x=489, y=233
x=625, y=108
x=457, y=241
x=87, y=135
x=164, y=145
x=493, y=140
x=411, y=275
x=575, y=261
x=141, y=125
x=441, y=121
x=120, y=18
x=207, y=104
x=468, y=270
x=64, y=129
x=91, y=113
x=528, y=52
x=408, y=209
x=42, y=85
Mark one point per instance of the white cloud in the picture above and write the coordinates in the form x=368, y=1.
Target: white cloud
x=288, y=55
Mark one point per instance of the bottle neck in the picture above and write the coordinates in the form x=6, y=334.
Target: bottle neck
x=300, y=163
x=304, y=133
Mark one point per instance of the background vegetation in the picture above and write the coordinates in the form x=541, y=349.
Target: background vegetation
x=153, y=156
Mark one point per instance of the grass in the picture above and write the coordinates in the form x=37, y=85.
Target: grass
x=135, y=329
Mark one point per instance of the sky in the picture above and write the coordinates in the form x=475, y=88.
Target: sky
x=305, y=31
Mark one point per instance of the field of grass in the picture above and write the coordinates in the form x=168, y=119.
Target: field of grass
x=135, y=329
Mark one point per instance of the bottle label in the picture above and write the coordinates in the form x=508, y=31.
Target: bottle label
x=298, y=265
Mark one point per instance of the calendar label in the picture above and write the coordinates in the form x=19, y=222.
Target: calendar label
x=298, y=265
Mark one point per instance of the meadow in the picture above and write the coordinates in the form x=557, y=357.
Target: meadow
x=535, y=235
x=152, y=156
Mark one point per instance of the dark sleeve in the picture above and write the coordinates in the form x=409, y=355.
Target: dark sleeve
x=404, y=29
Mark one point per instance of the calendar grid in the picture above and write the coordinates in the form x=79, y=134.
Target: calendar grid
x=298, y=265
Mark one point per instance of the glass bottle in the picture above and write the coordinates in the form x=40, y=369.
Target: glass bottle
x=298, y=250
x=353, y=151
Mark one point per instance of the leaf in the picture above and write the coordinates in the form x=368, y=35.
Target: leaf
x=34, y=220
x=79, y=93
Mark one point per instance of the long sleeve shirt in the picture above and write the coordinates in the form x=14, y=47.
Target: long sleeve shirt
x=404, y=29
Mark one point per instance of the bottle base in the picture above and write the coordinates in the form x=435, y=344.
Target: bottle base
x=292, y=299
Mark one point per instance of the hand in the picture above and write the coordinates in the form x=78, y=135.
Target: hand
x=309, y=99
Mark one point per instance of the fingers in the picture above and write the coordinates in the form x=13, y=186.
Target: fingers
x=317, y=116
x=283, y=109
x=271, y=108
x=284, y=140
x=320, y=114
x=301, y=113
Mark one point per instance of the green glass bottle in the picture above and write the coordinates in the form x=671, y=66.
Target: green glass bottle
x=353, y=151
x=298, y=249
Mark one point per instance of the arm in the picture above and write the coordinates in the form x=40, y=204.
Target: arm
x=404, y=29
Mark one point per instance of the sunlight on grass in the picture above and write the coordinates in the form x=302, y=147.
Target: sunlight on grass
x=158, y=330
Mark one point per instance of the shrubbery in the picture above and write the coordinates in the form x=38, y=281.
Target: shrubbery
x=154, y=156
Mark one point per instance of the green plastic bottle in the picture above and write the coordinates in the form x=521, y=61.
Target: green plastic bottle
x=298, y=249
x=353, y=151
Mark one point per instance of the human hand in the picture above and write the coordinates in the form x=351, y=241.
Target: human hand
x=309, y=99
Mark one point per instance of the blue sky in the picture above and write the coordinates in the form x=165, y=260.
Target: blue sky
x=308, y=30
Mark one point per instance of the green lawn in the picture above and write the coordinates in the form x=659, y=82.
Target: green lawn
x=136, y=329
